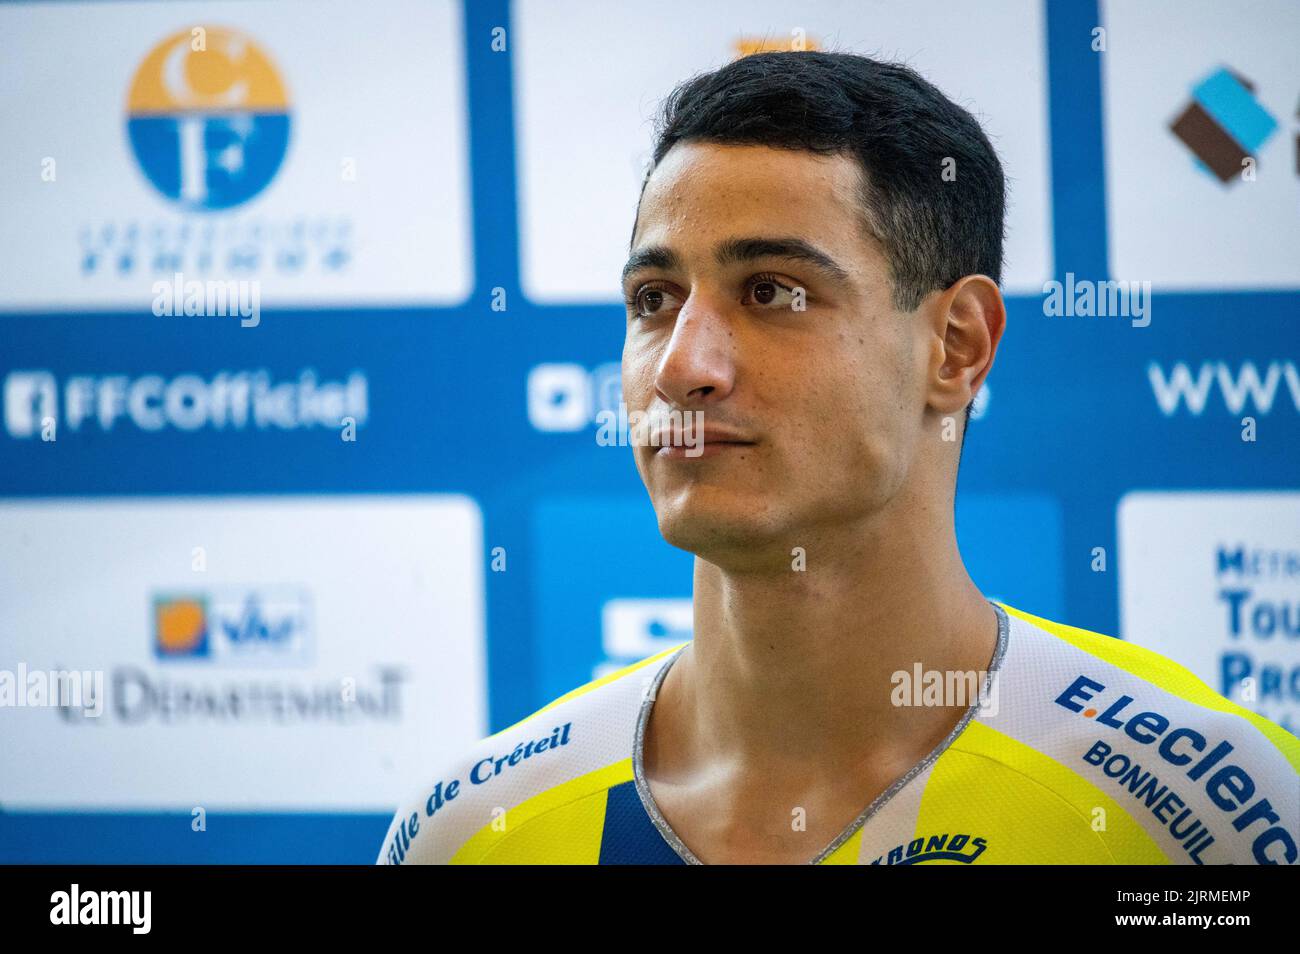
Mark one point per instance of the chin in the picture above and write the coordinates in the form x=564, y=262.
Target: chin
x=720, y=531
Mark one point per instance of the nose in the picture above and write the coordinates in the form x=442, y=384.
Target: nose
x=698, y=365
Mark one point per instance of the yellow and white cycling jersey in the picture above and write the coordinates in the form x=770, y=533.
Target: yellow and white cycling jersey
x=1097, y=752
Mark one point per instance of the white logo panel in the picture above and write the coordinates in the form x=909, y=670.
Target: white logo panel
x=256, y=652
x=322, y=160
x=580, y=173
x=1212, y=581
x=1190, y=86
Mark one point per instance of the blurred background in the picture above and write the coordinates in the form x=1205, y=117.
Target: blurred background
x=307, y=311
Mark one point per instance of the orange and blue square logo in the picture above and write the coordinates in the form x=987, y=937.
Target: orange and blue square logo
x=180, y=627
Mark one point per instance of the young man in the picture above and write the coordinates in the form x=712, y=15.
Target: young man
x=804, y=274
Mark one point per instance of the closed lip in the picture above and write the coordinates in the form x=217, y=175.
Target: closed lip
x=672, y=437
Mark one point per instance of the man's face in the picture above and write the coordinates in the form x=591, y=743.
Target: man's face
x=817, y=411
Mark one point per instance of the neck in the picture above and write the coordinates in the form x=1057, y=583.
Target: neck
x=797, y=666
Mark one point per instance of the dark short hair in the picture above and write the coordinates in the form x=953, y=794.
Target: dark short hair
x=901, y=129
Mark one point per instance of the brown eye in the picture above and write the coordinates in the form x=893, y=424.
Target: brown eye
x=653, y=302
x=769, y=293
x=650, y=300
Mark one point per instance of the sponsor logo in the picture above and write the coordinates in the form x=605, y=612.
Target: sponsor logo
x=959, y=848
x=262, y=626
x=208, y=123
x=244, y=400
x=139, y=697
x=569, y=398
x=254, y=628
x=1243, y=390
x=1262, y=626
x=1180, y=750
x=633, y=629
x=180, y=628
x=287, y=247
x=797, y=41
x=208, y=118
x=1224, y=126
x=483, y=771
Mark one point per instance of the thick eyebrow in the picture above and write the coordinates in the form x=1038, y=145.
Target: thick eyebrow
x=737, y=250
x=652, y=256
x=746, y=250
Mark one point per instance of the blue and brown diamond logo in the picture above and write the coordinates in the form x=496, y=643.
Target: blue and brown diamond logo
x=1224, y=125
